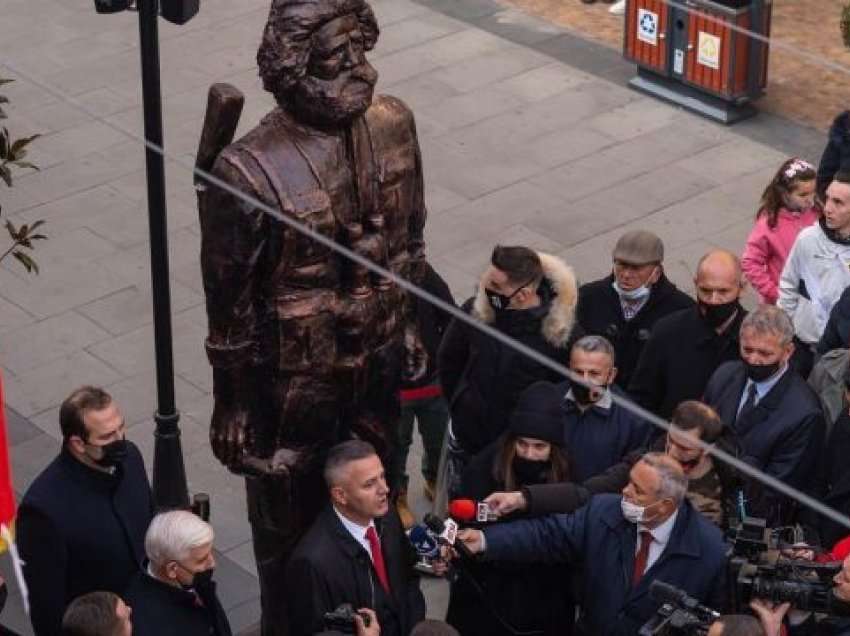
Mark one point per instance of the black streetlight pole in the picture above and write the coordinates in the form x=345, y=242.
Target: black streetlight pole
x=169, y=473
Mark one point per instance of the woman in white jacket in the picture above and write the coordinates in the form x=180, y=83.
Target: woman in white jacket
x=818, y=268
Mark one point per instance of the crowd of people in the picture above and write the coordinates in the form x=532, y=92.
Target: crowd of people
x=590, y=501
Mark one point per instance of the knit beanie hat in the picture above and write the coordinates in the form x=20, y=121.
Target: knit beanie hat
x=538, y=414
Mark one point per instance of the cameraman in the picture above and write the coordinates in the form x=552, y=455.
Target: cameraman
x=737, y=625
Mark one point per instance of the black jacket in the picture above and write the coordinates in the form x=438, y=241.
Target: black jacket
x=483, y=378
x=837, y=480
x=836, y=155
x=836, y=334
x=329, y=568
x=679, y=358
x=160, y=609
x=526, y=597
x=80, y=530
x=600, y=313
x=782, y=435
x=432, y=323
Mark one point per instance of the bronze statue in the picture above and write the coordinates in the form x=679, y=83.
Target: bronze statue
x=307, y=348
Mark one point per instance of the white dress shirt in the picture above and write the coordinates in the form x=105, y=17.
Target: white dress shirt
x=356, y=530
x=660, y=538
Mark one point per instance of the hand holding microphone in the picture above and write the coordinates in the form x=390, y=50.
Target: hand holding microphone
x=504, y=503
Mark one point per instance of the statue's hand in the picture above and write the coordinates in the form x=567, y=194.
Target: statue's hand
x=228, y=435
x=282, y=464
x=415, y=356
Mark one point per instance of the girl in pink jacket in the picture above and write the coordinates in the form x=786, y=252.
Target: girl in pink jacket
x=787, y=206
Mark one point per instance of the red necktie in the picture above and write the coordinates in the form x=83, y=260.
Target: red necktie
x=378, y=558
x=641, y=556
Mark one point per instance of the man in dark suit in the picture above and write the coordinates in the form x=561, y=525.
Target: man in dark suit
x=687, y=346
x=82, y=523
x=355, y=552
x=626, y=304
x=176, y=596
x=620, y=544
x=776, y=416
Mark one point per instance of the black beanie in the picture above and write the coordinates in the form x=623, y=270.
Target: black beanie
x=538, y=414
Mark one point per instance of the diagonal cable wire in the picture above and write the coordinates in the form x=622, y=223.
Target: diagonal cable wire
x=251, y=203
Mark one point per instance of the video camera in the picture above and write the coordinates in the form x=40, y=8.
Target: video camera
x=757, y=569
x=680, y=614
x=342, y=619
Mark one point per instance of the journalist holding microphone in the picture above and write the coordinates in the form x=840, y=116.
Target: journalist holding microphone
x=619, y=545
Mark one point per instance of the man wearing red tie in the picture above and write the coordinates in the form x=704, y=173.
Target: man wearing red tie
x=355, y=552
x=619, y=545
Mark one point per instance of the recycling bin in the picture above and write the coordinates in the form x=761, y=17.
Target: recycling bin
x=700, y=54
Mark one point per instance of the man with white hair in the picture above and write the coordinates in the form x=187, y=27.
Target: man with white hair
x=176, y=595
x=619, y=545
x=776, y=416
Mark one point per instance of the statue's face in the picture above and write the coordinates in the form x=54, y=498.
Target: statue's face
x=339, y=82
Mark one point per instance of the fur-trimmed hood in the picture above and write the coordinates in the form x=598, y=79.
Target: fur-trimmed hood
x=559, y=321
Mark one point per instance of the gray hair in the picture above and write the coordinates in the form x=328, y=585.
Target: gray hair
x=674, y=483
x=770, y=319
x=173, y=535
x=595, y=344
x=342, y=455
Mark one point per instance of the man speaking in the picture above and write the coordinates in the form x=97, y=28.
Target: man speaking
x=619, y=545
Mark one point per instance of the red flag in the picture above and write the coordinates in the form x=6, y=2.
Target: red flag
x=7, y=494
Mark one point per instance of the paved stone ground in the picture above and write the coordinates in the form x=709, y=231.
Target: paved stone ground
x=528, y=136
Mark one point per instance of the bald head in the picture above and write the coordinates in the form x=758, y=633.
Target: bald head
x=719, y=278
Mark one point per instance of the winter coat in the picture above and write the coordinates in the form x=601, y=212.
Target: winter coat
x=160, y=609
x=827, y=381
x=767, y=250
x=836, y=480
x=836, y=334
x=602, y=545
x=432, y=323
x=483, y=378
x=80, y=530
x=526, y=597
x=783, y=435
x=598, y=437
x=815, y=275
x=601, y=314
x=329, y=568
x=682, y=353
x=836, y=155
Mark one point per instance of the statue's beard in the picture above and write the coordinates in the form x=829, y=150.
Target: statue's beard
x=337, y=101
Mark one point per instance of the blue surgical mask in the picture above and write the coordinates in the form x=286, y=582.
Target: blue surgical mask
x=638, y=293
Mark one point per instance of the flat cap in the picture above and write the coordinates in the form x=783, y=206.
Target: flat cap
x=639, y=247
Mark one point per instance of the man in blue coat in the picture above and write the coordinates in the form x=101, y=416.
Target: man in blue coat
x=82, y=523
x=619, y=545
x=776, y=417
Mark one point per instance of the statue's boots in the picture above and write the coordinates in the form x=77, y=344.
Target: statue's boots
x=404, y=513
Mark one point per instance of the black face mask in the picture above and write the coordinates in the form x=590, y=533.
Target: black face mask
x=201, y=581
x=529, y=471
x=499, y=302
x=114, y=453
x=716, y=315
x=582, y=394
x=760, y=372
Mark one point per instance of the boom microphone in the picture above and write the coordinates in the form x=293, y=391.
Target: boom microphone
x=469, y=510
x=666, y=593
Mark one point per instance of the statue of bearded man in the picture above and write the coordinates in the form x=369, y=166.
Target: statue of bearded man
x=308, y=348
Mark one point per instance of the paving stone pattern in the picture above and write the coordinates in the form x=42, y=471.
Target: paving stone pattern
x=528, y=134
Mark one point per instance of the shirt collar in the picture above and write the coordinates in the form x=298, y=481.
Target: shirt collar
x=354, y=529
x=661, y=534
x=605, y=402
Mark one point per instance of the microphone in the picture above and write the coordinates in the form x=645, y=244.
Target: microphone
x=666, y=593
x=469, y=510
x=424, y=542
x=446, y=532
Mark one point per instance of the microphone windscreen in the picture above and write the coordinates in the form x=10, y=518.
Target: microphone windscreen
x=665, y=593
x=462, y=509
x=424, y=542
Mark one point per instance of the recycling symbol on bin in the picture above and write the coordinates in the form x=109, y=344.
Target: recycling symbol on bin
x=648, y=24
